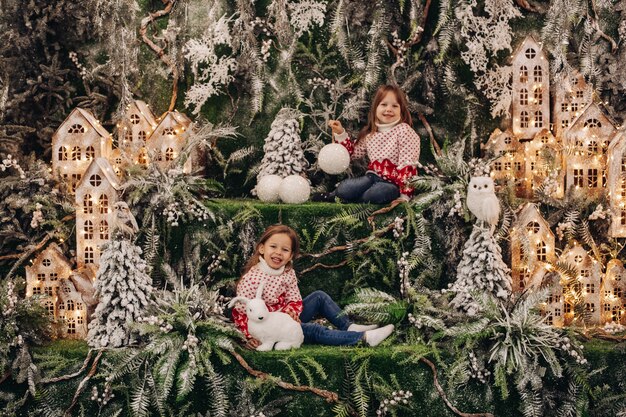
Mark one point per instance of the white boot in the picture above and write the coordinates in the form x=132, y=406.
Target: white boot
x=362, y=327
x=374, y=337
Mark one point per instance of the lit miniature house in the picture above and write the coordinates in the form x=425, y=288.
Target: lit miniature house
x=134, y=130
x=530, y=104
x=553, y=307
x=572, y=95
x=616, y=173
x=542, y=156
x=72, y=311
x=509, y=157
x=585, y=147
x=587, y=287
x=168, y=139
x=532, y=245
x=614, y=293
x=95, y=195
x=43, y=277
x=77, y=142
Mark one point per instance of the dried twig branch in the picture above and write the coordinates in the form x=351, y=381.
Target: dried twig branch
x=430, y=134
x=321, y=265
x=329, y=396
x=83, y=384
x=444, y=397
x=70, y=376
x=169, y=4
x=596, y=26
x=524, y=4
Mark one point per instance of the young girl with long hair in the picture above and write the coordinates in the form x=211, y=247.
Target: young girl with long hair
x=391, y=146
x=272, y=264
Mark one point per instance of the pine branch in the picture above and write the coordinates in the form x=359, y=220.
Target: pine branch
x=83, y=384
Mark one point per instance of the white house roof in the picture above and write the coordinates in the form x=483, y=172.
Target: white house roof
x=92, y=121
x=529, y=212
x=586, y=109
x=146, y=112
x=52, y=250
x=617, y=139
x=176, y=117
x=530, y=39
x=104, y=166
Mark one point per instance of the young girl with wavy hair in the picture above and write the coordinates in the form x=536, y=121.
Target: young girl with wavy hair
x=272, y=264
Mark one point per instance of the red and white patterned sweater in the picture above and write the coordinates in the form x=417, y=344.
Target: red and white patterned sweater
x=393, y=153
x=281, y=293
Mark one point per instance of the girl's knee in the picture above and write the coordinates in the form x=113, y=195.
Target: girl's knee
x=319, y=294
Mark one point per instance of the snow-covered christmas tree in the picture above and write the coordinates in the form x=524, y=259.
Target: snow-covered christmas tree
x=123, y=288
x=283, y=147
x=480, y=271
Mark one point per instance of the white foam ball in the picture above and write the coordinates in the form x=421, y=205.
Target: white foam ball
x=267, y=188
x=333, y=159
x=294, y=189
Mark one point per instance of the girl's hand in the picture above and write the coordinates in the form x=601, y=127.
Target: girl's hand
x=252, y=343
x=336, y=127
x=294, y=316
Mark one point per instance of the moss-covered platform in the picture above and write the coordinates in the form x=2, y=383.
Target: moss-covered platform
x=392, y=362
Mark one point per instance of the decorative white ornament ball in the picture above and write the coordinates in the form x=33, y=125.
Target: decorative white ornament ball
x=333, y=159
x=267, y=188
x=294, y=190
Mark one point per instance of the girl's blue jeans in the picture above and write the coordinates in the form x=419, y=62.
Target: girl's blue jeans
x=367, y=189
x=319, y=303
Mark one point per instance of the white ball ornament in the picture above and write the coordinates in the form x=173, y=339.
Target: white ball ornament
x=267, y=188
x=294, y=190
x=333, y=159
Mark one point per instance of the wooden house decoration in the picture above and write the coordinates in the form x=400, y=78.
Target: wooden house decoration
x=553, y=309
x=507, y=151
x=134, y=130
x=72, y=311
x=542, y=156
x=44, y=276
x=586, y=143
x=95, y=195
x=76, y=143
x=614, y=293
x=168, y=139
x=532, y=245
x=616, y=177
x=530, y=104
x=572, y=94
x=587, y=287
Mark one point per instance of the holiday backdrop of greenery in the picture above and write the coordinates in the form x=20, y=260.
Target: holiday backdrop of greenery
x=237, y=63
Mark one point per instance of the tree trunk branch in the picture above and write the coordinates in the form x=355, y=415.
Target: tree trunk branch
x=83, y=384
x=329, y=396
x=444, y=397
x=70, y=376
x=433, y=142
x=169, y=4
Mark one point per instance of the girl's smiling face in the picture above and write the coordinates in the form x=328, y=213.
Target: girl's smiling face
x=277, y=250
x=388, y=110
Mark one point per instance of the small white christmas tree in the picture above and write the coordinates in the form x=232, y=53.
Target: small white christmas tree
x=123, y=288
x=283, y=147
x=480, y=271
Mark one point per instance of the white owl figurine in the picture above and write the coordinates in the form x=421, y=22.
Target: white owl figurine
x=123, y=222
x=482, y=201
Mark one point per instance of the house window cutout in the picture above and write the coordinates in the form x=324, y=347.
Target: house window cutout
x=104, y=230
x=63, y=153
x=530, y=53
x=76, y=128
x=88, y=229
x=90, y=153
x=87, y=204
x=95, y=180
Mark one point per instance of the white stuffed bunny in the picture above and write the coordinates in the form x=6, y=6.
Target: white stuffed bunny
x=273, y=329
